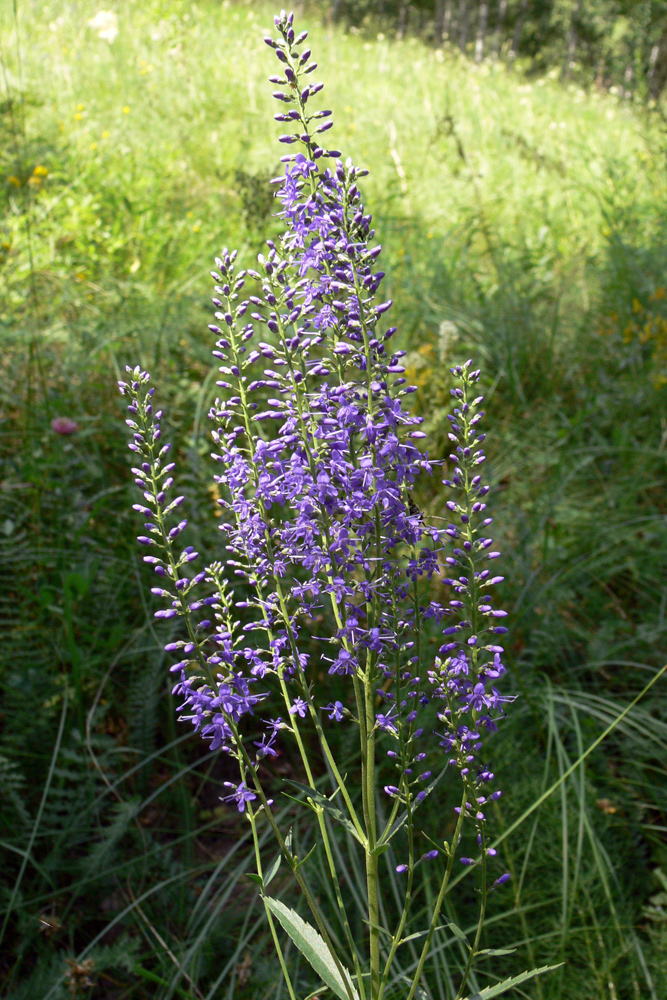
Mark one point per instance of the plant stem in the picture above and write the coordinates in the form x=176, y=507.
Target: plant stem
x=292, y=862
x=269, y=915
x=368, y=758
x=480, y=925
x=441, y=896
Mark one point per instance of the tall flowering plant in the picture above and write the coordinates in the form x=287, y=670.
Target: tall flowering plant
x=316, y=456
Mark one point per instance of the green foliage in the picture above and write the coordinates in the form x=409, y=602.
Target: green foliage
x=522, y=220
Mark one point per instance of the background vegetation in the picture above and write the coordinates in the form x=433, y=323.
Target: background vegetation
x=524, y=221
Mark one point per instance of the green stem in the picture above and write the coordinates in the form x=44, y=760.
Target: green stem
x=368, y=758
x=292, y=862
x=269, y=915
x=480, y=925
x=441, y=896
x=406, y=905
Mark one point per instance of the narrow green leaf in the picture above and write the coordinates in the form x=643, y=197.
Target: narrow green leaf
x=257, y=879
x=457, y=932
x=420, y=993
x=379, y=929
x=272, y=871
x=495, y=951
x=302, y=861
x=327, y=805
x=418, y=934
x=379, y=849
x=314, y=950
x=495, y=991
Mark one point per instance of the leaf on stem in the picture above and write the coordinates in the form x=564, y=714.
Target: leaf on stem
x=327, y=805
x=272, y=871
x=314, y=950
x=495, y=991
x=492, y=952
x=457, y=932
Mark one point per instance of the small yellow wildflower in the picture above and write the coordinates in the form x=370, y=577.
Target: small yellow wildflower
x=93, y=146
x=658, y=294
x=34, y=182
x=78, y=116
x=80, y=107
x=105, y=134
x=636, y=306
x=41, y=171
x=14, y=180
x=126, y=109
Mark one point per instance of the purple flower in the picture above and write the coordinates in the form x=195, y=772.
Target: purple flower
x=240, y=794
x=336, y=710
x=299, y=707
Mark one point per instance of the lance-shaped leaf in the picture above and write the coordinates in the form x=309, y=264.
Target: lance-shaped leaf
x=313, y=948
x=495, y=991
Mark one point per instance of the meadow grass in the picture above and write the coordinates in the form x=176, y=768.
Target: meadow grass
x=524, y=224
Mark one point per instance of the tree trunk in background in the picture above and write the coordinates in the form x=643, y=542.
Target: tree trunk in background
x=516, y=38
x=335, y=10
x=439, y=23
x=571, y=42
x=463, y=25
x=481, y=30
x=402, y=19
x=657, y=73
x=448, y=19
x=497, y=41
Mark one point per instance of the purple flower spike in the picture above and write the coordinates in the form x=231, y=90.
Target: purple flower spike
x=318, y=460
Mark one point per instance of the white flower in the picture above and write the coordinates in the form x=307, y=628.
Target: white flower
x=105, y=23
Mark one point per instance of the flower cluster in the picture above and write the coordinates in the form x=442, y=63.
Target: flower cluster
x=317, y=455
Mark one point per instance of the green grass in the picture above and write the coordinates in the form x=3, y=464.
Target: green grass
x=524, y=224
